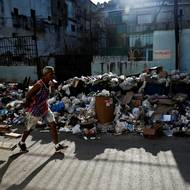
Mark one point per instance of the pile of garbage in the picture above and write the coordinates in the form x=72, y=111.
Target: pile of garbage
x=151, y=104
x=11, y=104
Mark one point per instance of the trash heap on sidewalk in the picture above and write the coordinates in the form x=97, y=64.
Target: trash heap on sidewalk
x=11, y=112
x=151, y=104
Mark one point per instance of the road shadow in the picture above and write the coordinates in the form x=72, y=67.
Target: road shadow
x=26, y=181
x=89, y=149
x=5, y=165
x=4, y=168
x=2, y=161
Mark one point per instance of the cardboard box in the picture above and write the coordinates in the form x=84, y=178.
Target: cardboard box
x=4, y=128
x=154, y=131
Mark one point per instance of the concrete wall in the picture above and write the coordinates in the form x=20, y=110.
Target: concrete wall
x=163, y=51
x=118, y=65
x=42, y=8
x=185, y=50
x=50, y=40
x=165, y=40
x=164, y=44
x=17, y=73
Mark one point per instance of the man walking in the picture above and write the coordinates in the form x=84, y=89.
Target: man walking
x=37, y=107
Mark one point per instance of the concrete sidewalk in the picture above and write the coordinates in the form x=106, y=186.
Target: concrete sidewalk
x=111, y=163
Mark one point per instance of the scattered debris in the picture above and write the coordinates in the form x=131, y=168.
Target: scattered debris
x=152, y=104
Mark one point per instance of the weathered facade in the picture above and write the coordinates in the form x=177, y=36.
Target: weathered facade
x=52, y=24
x=45, y=18
x=144, y=33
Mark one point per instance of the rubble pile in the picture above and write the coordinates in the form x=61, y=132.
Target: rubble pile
x=11, y=104
x=150, y=104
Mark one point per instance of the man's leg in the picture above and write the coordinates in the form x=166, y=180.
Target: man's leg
x=25, y=135
x=53, y=131
x=54, y=136
x=31, y=122
x=22, y=143
x=52, y=125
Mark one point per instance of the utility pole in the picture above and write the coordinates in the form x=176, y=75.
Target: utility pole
x=176, y=25
x=33, y=16
x=91, y=40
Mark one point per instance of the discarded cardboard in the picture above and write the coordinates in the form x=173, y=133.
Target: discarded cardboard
x=6, y=145
x=13, y=135
x=165, y=101
x=4, y=129
x=153, y=131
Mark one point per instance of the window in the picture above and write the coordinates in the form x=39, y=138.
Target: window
x=140, y=47
x=144, y=19
x=165, y=17
x=150, y=55
x=115, y=18
x=112, y=67
x=140, y=40
x=33, y=13
x=15, y=17
x=59, y=22
x=58, y=5
x=102, y=67
x=14, y=34
x=1, y=14
x=121, y=29
x=73, y=28
x=15, y=12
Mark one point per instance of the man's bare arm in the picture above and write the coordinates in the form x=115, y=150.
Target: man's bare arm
x=31, y=94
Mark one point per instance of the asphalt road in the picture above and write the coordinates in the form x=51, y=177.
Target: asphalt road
x=112, y=163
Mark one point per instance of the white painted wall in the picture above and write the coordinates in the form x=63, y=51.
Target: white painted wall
x=165, y=40
x=119, y=64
